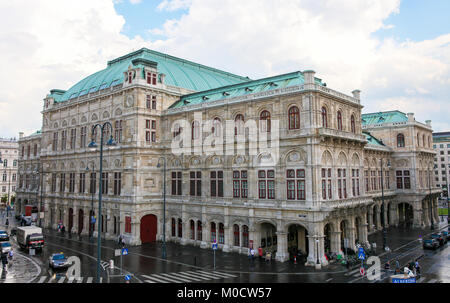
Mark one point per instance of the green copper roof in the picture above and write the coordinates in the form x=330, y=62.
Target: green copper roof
x=179, y=72
x=383, y=117
x=241, y=89
x=372, y=140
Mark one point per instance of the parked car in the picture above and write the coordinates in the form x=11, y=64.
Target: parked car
x=446, y=235
x=4, y=235
x=438, y=237
x=430, y=243
x=6, y=247
x=57, y=261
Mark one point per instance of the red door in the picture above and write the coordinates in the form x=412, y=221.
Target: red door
x=148, y=229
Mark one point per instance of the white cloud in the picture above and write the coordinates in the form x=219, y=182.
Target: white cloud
x=335, y=38
x=135, y=1
x=52, y=44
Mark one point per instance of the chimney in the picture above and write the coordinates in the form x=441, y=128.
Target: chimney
x=308, y=75
x=356, y=94
x=20, y=135
x=410, y=117
x=428, y=122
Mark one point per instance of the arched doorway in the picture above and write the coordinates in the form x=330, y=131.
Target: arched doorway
x=357, y=230
x=70, y=220
x=297, y=241
x=375, y=217
x=344, y=234
x=268, y=238
x=149, y=228
x=406, y=214
x=80, y=220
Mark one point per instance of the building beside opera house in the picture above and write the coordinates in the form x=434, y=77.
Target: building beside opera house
x=283, y=163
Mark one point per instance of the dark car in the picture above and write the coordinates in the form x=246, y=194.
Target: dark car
x=57, y=261
x=4, y=235
x=430, y=243
x=438, y=237
x=446, y=235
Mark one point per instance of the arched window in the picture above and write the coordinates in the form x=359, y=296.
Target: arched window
x=400, y=140
x=239, y=125
x=339, y=120
x=429, y=141
x=176, y=130
x=192, y=230
x=195, y=130
x=423, y=140
x=221, y=234
x=264, y=121
x=199, y=230
x=352, y=124
x=213, y=232
x=324, y=117
x=245, y=241
x=180, y=228
x=294, y=118
x=236, y=234
x=216, y=128
x=418, y=140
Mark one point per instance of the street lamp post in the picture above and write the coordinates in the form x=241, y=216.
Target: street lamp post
x=93, y=146
x=448, y=210
x=382, y=203
x=164, y=211
x=91, y=188
x=41, y=174
x=431, y=201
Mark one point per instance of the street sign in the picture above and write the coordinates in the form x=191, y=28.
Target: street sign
x=117, y=252
x=127, y=278
x=93, y=219
x=124, y=251
x=214, y=246
x=361, y=271
x=361, y=254
x=402, y=279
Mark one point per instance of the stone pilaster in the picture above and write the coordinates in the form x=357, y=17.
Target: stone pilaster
x=282, y=253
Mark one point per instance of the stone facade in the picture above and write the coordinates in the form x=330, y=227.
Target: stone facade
x=8, y=155
x=306, y=191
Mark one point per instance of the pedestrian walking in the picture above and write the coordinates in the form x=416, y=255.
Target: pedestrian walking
x=63, y=230
x=397, y=266
x=417, y=267
x=4, y=260
x=7, y=222
x=252, y=253
x=260, y=253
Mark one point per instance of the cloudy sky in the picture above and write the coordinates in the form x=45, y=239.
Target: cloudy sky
x=396, y=52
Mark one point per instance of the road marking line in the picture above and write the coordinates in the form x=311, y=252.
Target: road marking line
x=42, y=279
x=89, y=280
x=175, y=277
x=432, y=281
x=420, y=280
x=154, y=279
x=188, y=277
x=70, y=279
x=224, y=274
x=210, y=276
x=164, y=278
x=61, y=280
x=194, y=275
x=329, y=280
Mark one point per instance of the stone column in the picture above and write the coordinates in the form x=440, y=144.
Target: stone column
x=436, y=209
x=74, y=220
x=370, y=219
x=425, y=214
x=323, y=260
x=312, y=258
x=86, y=221
x=282, y=245
x=351, y=237
x=206, y=234
x=335, y=241
x=378, y=214
x=227, y=238
x=417, y=220
x=385, y=216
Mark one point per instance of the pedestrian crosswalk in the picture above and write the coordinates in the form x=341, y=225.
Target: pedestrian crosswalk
x=186, y=277
x=64, y=279
x=172, y=277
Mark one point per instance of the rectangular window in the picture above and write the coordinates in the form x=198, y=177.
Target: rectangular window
x=147, y=136
x=63, y=139
x=240, y=185
x=82, y=186
x=153, y=136
x=176, y=183
x=216, y=183
x=105, y=183
x=118, y=131
x=266, y=184
x=153, y=102
x=296, y=184
x=53, y=182
x=73, y=136
x=399, y=176
x=62, y=183
x=72, y=182
x=55, y=141
x=406, y=179
x=92, y=187
x=117, y=183
x=153, y=124
x=83, y=137
x=195, y=188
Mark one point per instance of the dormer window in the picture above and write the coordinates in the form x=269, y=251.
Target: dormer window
x=225, y=94
x=186, y=102
x=204, y=98
x=381, y=119
x=273, y=84
x=130, y=77
x=151, y=78
x=248, y=89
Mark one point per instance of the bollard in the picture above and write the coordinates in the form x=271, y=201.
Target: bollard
x=111, y=264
